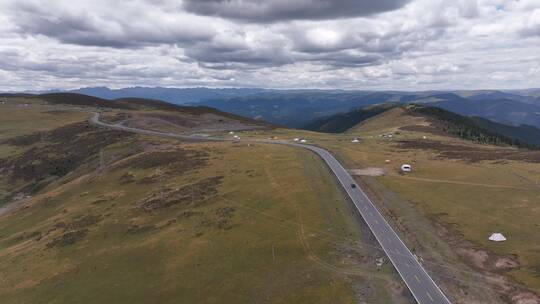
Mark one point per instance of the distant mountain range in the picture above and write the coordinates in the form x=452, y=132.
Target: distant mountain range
x=504, y=109
x=297, y=108
x=172, y=95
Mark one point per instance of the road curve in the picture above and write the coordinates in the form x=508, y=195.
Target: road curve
x=421, y=285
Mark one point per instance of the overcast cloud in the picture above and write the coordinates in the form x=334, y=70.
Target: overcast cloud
x=283, y=10
x=348, y=44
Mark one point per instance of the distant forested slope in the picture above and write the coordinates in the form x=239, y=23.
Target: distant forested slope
x=477, y=129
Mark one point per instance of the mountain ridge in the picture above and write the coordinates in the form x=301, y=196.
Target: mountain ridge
x=476, y=129
x=296, y=108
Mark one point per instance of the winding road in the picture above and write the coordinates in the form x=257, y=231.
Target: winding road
x=421, y=285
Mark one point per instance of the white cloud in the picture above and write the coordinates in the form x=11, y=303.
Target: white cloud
x=322, y=38
x=425, y=44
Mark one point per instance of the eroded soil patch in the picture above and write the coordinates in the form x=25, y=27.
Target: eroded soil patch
x=491, y=266
x=68, y=238
x=189, y=196
x=74, y=230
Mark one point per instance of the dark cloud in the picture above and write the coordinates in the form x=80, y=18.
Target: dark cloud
x=530, y=32
x=11, y=60
x=347, y=59
x=98, y=29
x=531, y=27
x=283, y=10
x=235, y=58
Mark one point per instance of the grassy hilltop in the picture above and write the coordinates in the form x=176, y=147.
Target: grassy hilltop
x=108, y=216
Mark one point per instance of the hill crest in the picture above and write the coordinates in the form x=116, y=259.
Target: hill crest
x=428, y=119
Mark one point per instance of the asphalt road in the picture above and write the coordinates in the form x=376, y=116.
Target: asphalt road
x=421, y=285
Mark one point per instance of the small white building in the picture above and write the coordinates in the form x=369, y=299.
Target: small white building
x=355, y=140
x=296, y=139
x=231, y=132
x=236, y=137
x=497, y=237
x=303, y=141
x=406, y=168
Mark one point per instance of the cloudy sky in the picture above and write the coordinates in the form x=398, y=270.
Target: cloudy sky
x=348, y=44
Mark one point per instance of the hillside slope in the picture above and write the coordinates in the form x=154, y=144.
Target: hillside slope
x=480, y=131
x=433, y=119
x=525, y=133
x=505, y=111
x=51, y=150
x=344, y=121
x=115, y=217
x=133, y=103
x=458, y=193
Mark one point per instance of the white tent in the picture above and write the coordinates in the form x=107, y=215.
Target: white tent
x=497, y=237
x=355, y=140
